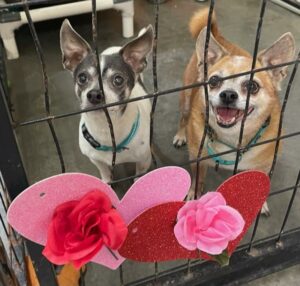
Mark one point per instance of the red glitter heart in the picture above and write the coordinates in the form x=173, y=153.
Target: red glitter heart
x=151, y=235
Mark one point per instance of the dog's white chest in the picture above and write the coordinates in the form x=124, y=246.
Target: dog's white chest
x=138, y=147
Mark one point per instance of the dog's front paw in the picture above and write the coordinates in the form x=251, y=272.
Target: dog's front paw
x=265, y=209
x=191, y=195
x=179, y=140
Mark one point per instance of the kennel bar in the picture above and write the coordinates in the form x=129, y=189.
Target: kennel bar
x=11, y=246
x=266, y=257
x=151, y=95
x=154, y=73
x=46, y=83
x=154, y=102
x=255, y=52
x=108, y=119
x=220, y=154
x=285, y=100
x=292, y=5
x=289, y=208
x=15, y=180
x=283, y=107
x=206, y=123
x=205, y=79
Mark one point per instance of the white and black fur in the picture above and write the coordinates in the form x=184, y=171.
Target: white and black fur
x=121, y=69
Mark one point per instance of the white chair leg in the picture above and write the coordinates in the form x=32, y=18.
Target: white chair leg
x=127, y=10
x=11, y=48
x=127, y=22
x=9, y=41
x=8, y=36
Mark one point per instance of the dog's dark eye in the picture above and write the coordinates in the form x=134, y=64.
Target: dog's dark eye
x=82, y=78
x=118, y=80
x=215, y=81
x=252, y=86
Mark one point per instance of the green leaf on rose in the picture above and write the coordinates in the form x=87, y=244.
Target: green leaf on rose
x=222, y=259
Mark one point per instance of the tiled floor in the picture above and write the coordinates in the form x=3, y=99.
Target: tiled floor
x=237, y=21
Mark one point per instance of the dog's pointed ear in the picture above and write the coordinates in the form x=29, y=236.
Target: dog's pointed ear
x=215, y=50
x=283, y=50
x=73, y=47
x=135, y=52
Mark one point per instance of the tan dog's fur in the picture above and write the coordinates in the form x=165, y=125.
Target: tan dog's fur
x=231, y=60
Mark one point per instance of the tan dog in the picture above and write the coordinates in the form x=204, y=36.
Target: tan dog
x=227, y=100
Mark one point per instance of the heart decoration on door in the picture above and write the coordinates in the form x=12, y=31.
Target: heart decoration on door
x=80, y=218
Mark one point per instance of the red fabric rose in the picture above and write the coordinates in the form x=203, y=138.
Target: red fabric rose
x=79, y=229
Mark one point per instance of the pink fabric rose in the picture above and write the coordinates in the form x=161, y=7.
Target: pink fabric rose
x=208, y=224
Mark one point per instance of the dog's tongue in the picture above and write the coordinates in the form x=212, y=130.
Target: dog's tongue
x=227, y=114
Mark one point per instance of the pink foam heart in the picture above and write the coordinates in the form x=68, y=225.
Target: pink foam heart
x=165, y=184
x=31, y=212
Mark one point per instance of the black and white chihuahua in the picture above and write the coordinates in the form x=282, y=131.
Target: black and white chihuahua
x=121, y=69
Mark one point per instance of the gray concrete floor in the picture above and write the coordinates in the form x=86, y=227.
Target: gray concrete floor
x=237, y=21
x=285, y=277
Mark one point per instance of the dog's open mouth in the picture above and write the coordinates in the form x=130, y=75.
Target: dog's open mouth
x=228, y=117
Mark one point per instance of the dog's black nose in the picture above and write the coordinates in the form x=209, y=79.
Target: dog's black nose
x=228, y=96
x=94, y=96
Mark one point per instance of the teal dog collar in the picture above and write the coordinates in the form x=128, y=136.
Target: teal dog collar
x=253, y=141
x=119, y=147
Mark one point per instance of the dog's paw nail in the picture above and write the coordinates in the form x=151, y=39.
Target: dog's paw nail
x=179, y=141
x=190, y=197
x=177, y=145
x=265, y=210
x=266, y=213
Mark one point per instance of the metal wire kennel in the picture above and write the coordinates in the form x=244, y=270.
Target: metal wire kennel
x=253, y=259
